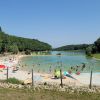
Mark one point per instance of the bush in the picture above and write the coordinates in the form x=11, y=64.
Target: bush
x=13, y=49
x=89, y=51
x=28, y=52
x=14, y=81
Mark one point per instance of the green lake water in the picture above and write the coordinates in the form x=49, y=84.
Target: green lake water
x=65, y=61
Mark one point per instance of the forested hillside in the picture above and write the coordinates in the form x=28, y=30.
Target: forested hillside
x=14, y=44
x=89, y=48
x=72, y=47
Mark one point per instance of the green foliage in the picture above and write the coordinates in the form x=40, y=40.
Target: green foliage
x=0, y=29
x=97, y=45
x=45, y=94
x=89, y=50
x=72, y=47
x=13, y=49
x=5, y=43
x=94, y=48
x=96, y=55
x=14, y=44
x=13, y=81
x=27, y=52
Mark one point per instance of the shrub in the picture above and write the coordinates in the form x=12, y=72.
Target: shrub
x=89, y=51
x=28, y=52
x=14, y=81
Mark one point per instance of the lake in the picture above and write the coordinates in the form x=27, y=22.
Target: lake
x=65, y=61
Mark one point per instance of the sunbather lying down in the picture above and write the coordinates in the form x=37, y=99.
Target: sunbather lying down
x=64, y=75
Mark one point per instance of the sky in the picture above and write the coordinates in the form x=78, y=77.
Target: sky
x=57, y=22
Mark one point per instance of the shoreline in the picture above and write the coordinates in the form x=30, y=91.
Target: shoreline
x=38, y=77
x=82, y=80
x=95, y=58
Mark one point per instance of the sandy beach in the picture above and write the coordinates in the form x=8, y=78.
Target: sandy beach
x=10, y=61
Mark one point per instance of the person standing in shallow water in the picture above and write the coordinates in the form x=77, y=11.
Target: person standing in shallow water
x=83, y=66
x=50, y=69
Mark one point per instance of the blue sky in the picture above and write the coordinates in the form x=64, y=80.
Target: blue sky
x=57, y=22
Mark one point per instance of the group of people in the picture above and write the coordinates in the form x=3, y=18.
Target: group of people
x=77, y=69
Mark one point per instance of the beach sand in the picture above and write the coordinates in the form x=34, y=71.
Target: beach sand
x=84, y=78
x=81, y=80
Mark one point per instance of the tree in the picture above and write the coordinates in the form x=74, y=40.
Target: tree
x=94, y=49
x=0, y=29
x=5, y=44
x=89, y=50
x=97, y=44
x=27, y=52
x=13, y=49
x=22, y=44
x=73, y=47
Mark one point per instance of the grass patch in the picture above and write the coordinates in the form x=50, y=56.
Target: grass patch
x=14, y=81
x=96, y=56
x=28, y=94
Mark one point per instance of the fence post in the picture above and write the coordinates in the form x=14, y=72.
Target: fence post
x=7, y=73
x=61, y=78
x=90, y=86
x=32, y=78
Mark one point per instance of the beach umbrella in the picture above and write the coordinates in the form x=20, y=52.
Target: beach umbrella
x=2, y=66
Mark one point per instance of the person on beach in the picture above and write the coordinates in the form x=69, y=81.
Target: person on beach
x=50, y=69
x=76, y=70
x=25, y=65
x=77, y=66
x=22, y=65
x=69, y=71
x=78, y=73
x=71, y=68
x=38, y=70
x=14, y=69
x=39, y=64
x=83, y=66
x=29, y=72
x=55, y=75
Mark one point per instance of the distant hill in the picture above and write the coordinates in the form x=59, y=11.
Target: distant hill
x=89, y=48
x=9, y=43
x=72, y=47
